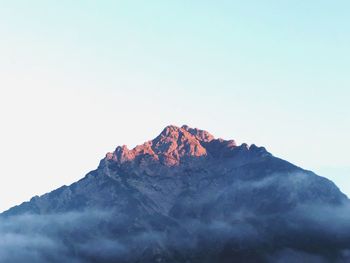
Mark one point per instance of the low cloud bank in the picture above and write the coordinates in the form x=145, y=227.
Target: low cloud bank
x=101, y=236
x=239, y=222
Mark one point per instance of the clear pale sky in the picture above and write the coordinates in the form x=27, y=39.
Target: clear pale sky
x=78, y=78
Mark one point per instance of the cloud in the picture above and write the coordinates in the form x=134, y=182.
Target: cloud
x=295, y=256
x=312, y=232
x=93, y=236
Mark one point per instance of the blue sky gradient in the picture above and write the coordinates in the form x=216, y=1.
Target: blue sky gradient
x=79, y=78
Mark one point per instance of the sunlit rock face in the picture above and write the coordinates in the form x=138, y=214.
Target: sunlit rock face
x=186, y=196
x=173, y=146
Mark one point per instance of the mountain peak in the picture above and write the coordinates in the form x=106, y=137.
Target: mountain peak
x=175, y=143
x=201, y=135
x=172, y=146
x=170, y=129
x=176, y=146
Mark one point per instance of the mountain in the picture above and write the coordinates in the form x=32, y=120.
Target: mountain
x=184, y=196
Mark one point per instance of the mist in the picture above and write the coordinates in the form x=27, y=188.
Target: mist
x=100, y=236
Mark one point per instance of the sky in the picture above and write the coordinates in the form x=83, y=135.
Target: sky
x=78, y=78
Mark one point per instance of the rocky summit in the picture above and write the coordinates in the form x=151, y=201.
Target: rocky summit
x=185, y=196
x=172, y=147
